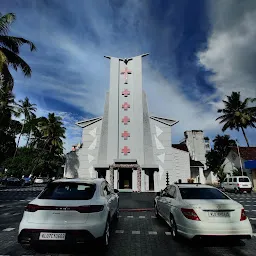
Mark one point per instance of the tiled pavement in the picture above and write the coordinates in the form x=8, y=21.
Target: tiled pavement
x=136, y=233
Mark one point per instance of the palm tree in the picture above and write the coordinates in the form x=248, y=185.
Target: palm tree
x=9, y=50
x=27, y=109
x=237, y=114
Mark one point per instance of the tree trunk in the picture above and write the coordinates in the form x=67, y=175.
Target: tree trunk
x=247, y=142
x=18, y=142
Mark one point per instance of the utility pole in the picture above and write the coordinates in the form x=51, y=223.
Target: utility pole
x=239, y=157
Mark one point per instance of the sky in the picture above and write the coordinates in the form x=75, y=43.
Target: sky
x=200, y=51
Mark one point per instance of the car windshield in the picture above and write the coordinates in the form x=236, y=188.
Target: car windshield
x=243, y=179
x=68, y=191
x=202, y=193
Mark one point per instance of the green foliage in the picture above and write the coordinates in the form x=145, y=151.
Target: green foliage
x=237, y=114
x=238, y=172
x=216, y=157
x=221, y=175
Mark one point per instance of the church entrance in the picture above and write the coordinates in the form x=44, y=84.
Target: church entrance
x=125, y=178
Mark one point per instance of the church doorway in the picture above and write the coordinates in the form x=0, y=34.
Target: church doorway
x=125, y=178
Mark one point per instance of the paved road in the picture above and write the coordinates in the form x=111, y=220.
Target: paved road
x=136, y=233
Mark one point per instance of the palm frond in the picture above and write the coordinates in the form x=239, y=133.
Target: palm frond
x=14, y=43
x=5, y=21
x=16, y=62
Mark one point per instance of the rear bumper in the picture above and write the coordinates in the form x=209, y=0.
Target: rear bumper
x=245, y=189
x=193, y=229
x=31, y=237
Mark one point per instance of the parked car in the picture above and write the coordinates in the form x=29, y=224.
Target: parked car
x=12, y=181
x=237, y=184
x=71, y=211
x=195, y=210
x=41, y=180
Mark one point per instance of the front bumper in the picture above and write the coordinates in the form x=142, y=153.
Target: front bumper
x=192, y=229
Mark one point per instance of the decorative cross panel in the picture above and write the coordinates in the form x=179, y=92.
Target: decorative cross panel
x=125, y=73
x=125, y=92
x=125, y=106
x=126, y=150
x=125, y=135
x=126, y=119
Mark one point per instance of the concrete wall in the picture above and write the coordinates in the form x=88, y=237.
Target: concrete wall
x=168, y=159
x=196, y=145
x=80, y=163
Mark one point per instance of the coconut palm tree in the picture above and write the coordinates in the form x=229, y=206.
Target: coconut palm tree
x=10, y=49
x=27, y=109
x=237, y=114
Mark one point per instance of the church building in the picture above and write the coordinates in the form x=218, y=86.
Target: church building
x=127, y=146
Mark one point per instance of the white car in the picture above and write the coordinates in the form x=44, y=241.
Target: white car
x=237, y=184
x=195, y=210
x=41, y=180
x=71, y=211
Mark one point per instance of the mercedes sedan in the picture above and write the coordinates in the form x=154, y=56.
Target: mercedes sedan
x=71, y=211
x=195, y=210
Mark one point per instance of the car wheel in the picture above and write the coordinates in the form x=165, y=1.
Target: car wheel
x=173, y=228
x=104, y=240
x=236, y=191
x=156, y=211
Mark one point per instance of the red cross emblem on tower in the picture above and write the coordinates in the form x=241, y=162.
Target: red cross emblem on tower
x=125, y=73
x=125, y=106
x=125, y=150
x=126, y=119
x=126, y=93
x=125, y=135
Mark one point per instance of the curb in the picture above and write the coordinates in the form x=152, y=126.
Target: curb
x=137, y=210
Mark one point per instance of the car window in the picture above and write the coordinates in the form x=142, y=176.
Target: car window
x=244, y=179
x=68, y=191
x=234, y=179
x=230, y=180
x=202, y=193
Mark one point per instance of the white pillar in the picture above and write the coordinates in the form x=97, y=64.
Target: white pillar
x=146, y=182
x=201, y=175
x=108, y=176
x=115, y=178
x=134, y=180
x=156, y=181
x=142, y=181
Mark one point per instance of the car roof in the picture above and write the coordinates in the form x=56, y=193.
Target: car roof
x=193, y=186
x=89, y=180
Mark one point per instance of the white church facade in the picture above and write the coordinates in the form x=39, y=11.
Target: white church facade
x=131, y=149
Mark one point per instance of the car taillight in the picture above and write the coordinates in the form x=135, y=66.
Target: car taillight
x=243, y=216
x=238, y=184
x=190, y=214
x=32, y=208
x=89, y=208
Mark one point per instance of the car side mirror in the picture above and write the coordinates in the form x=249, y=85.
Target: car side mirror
x=116, y=191
x=158, y=194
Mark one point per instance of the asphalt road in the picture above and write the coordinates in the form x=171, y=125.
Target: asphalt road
x=136, y=233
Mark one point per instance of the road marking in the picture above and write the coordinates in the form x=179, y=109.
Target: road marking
x=119, y=231
x=142, y=217
x=247, y=205
x=2, y=205
x=129, y=216
x=168, y=233
x=23, y=200
x=6, y=213
x=152, y=232
x=252, y=218
x=17, y=213
x=8, y=229
x=153, y=217
x=254, y=210
x=136, y=232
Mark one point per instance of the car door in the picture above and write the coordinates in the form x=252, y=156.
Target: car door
x=229, y=186
x=234, y=184
x=160, y=201
x=109, y=198
x=169, y=202
x=114, y=199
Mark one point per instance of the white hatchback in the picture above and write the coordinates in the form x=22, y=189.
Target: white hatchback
x=195, y=210
x=71, y=211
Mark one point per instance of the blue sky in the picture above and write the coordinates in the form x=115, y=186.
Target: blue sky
x=200, y=51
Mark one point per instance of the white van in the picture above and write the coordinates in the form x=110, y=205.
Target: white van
x=237, y=184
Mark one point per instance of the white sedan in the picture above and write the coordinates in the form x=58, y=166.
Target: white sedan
x=71, y=211
x=195, y=210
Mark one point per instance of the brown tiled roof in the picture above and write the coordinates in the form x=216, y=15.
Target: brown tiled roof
x=247, y=153
x=180, y=147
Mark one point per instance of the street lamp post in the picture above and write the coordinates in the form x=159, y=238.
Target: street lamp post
x=239, y=157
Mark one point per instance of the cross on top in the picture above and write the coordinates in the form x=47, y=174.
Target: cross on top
x=126, y=119
x=125, y=150
x=126, y=93
x=125, y=72
x=125, y=135
x=125, y=106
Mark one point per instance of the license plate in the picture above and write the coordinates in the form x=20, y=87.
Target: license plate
x=219, y=214
x=245, y=185
x=52, y=236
